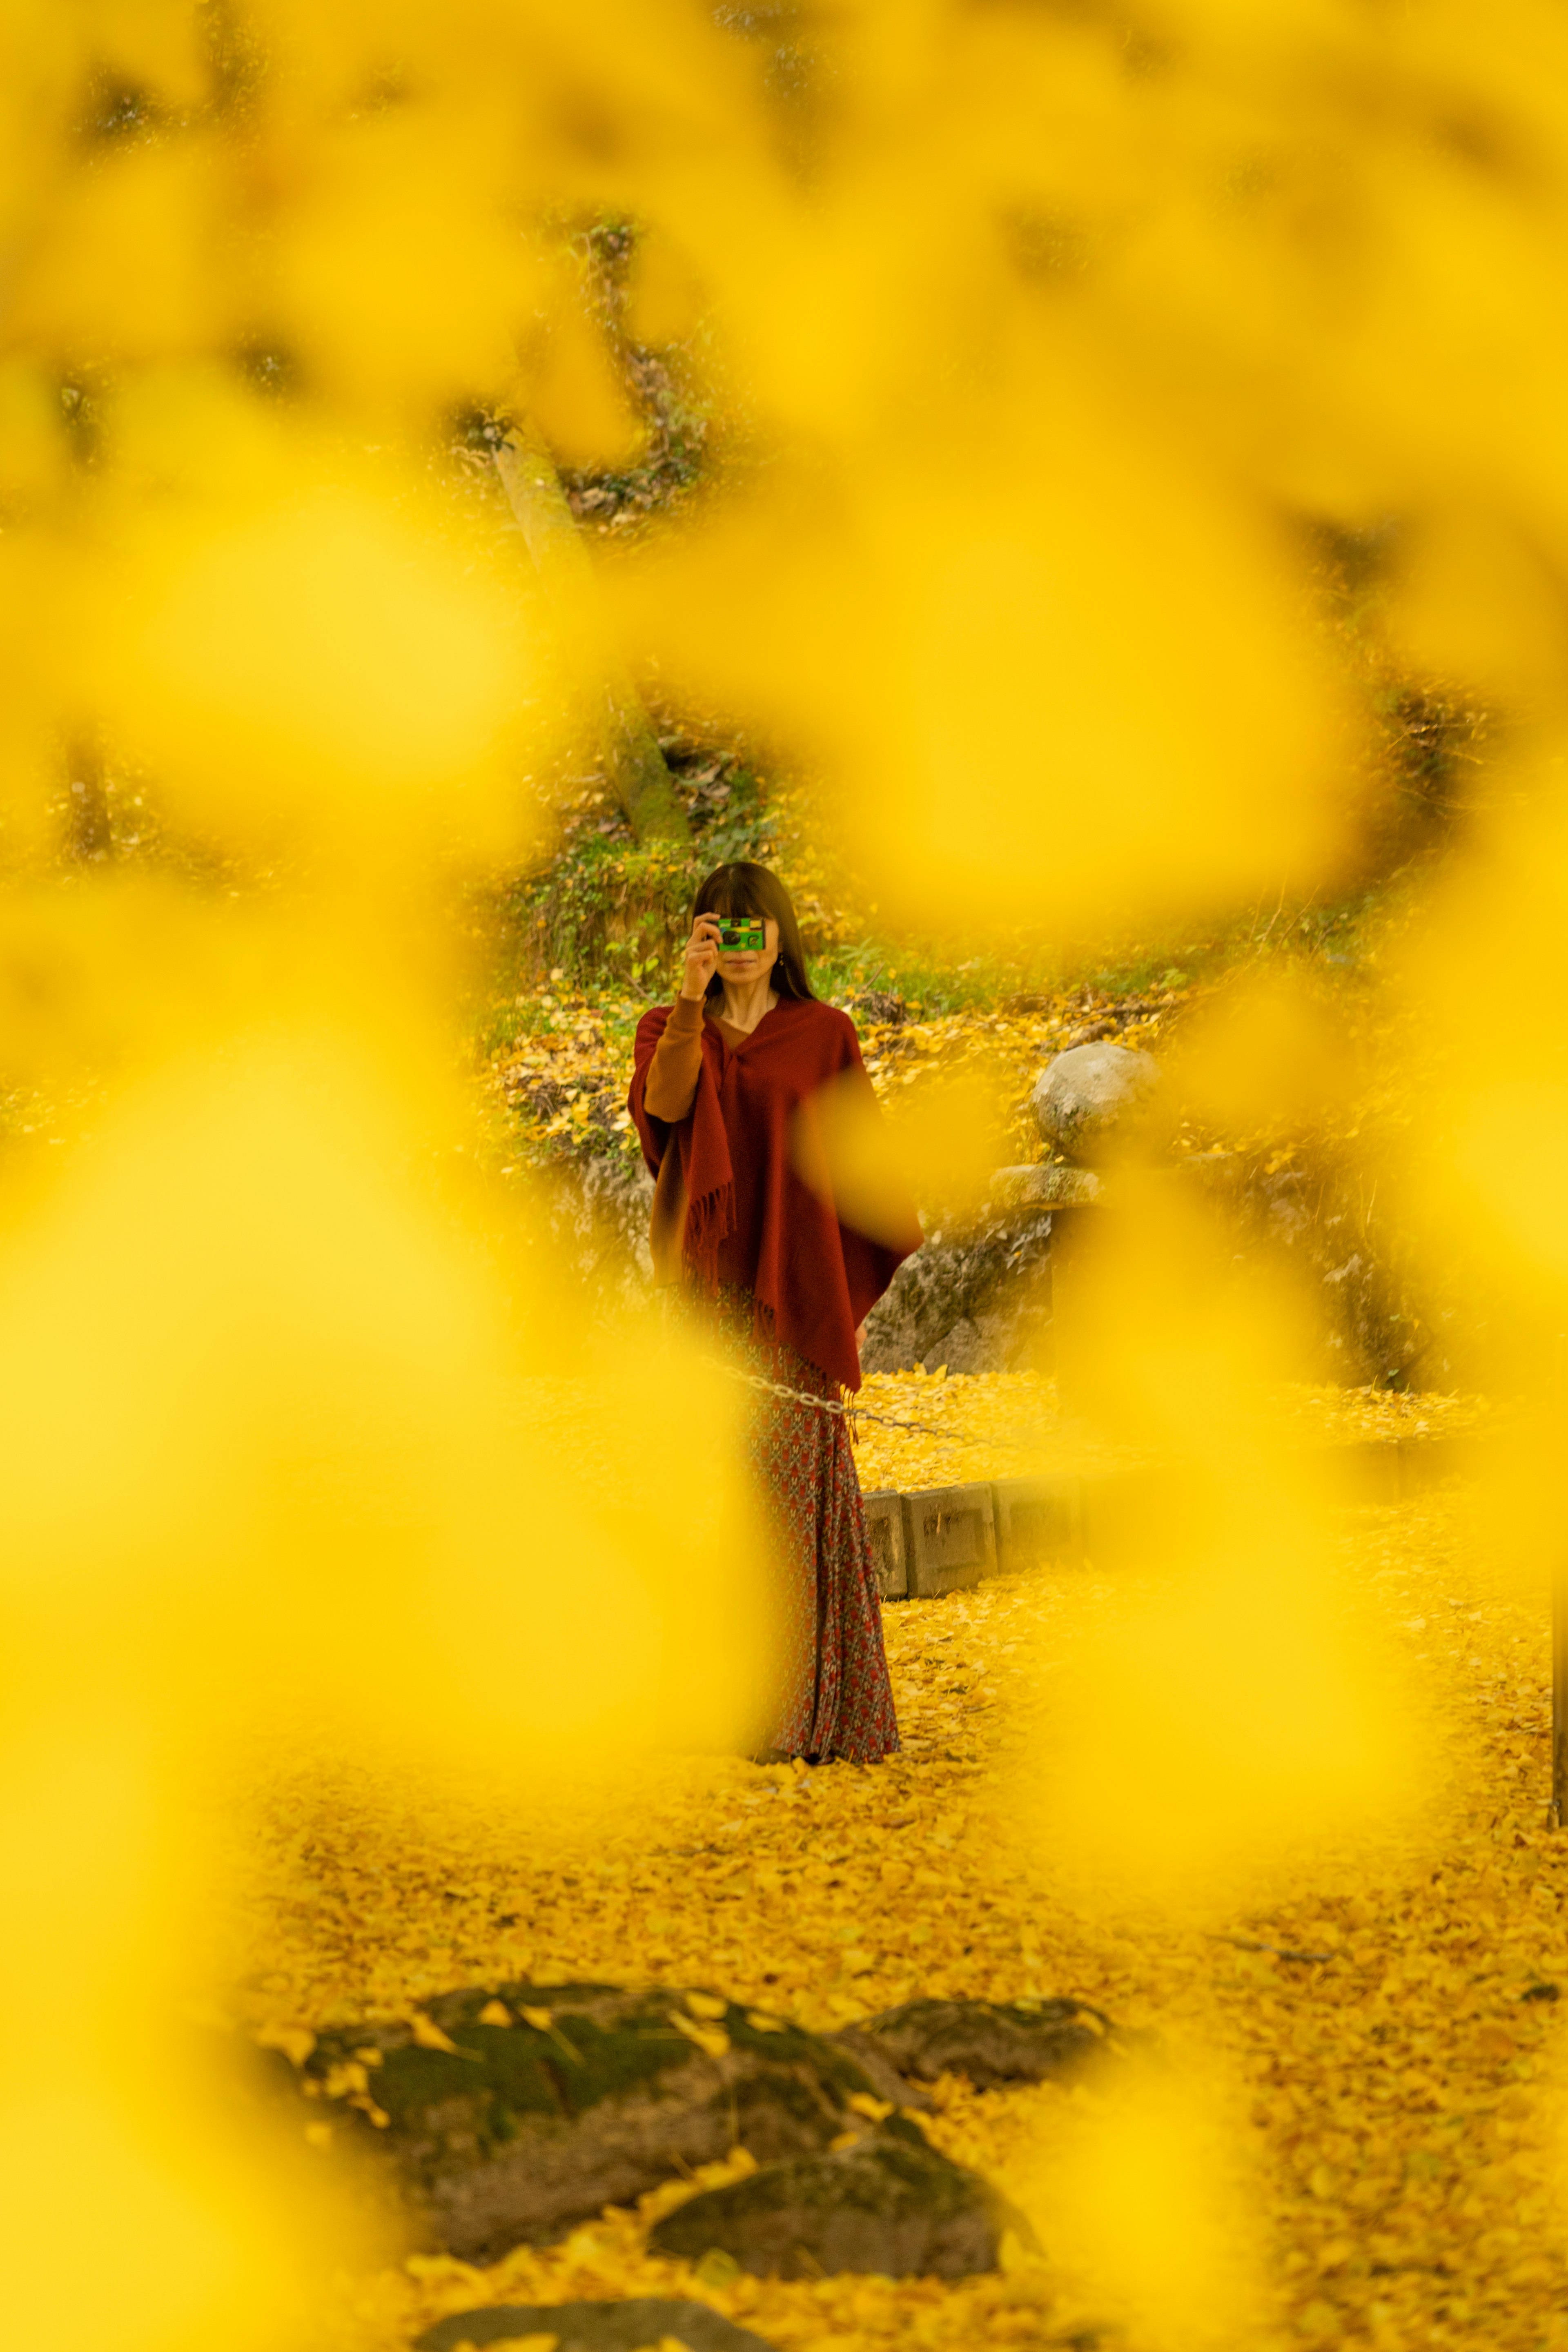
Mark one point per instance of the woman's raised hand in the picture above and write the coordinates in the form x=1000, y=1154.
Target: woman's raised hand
x=701, y=957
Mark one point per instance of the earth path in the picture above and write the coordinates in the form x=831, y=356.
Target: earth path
x=1398, y=2102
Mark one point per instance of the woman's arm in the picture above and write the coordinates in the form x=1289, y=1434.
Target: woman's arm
x=677, y=1058
x=677, y=1061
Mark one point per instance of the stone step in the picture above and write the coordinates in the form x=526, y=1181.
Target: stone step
x=943, y=1539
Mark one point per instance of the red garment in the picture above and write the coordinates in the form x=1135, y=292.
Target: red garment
x=749, y=1221
x=836, y=1697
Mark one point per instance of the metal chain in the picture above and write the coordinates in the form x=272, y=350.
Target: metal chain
x=831, y=1404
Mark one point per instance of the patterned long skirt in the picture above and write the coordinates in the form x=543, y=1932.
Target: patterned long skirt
x=838, y=1699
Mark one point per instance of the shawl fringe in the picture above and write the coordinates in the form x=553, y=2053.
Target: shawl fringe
x=710, y=1222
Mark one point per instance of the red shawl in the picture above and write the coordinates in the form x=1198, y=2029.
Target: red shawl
x=749, y=1218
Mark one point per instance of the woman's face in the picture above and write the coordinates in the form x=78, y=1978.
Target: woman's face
x=732, y=965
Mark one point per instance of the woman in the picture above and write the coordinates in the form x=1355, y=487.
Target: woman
x=722, y=1088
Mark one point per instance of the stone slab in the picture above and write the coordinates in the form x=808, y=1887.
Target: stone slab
x=950, y=1538
x=945, y=1538
x=1385, y=1470
x=618, y=2327
x=1038, y=1520
x=884, y=1510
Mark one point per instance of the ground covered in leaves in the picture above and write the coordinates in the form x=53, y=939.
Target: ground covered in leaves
x=1385, y=2031
x=957, y=1426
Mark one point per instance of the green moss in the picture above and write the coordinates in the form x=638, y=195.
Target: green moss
x=613, y=2061
x=600, y=2044
x=888, y=2176
x=504, y=2073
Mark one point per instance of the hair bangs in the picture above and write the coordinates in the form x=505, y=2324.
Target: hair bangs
x=731, y=892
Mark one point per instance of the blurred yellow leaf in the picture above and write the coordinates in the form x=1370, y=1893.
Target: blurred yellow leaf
x=316, y=663
x=1273, y=1054
x=394, y=276
x=573, y=395
x=663, y=301
x=130, y=261
x=937, y=1143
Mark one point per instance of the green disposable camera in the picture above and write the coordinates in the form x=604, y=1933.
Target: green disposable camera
x=742, y=934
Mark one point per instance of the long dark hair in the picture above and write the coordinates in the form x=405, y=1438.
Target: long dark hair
x=747, y=890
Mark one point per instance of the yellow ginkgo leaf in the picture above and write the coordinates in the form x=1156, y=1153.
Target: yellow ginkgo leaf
x=711, y=2039
x=495, y=2012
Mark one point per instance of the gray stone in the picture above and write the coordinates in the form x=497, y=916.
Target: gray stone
x=1037, y=1519
x=621, y=2326
x=892, y=2204
x=1322, y=1222
x=992, y=2042
x=521, y=2130
x=964, y=1347
x=991, y=1279
x=1091, y=1102
x=950, y=1538
x=1053, y=1186
x=884, y=1508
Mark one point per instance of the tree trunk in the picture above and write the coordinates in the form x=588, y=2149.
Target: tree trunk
x=619, y=724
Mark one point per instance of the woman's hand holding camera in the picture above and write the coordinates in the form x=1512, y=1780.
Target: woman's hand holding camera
x=702, y=958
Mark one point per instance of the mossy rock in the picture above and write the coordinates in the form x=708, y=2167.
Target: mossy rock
x=520, y=2130
x=893, y=2205
x=987, y=2042
x=619, y=2327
